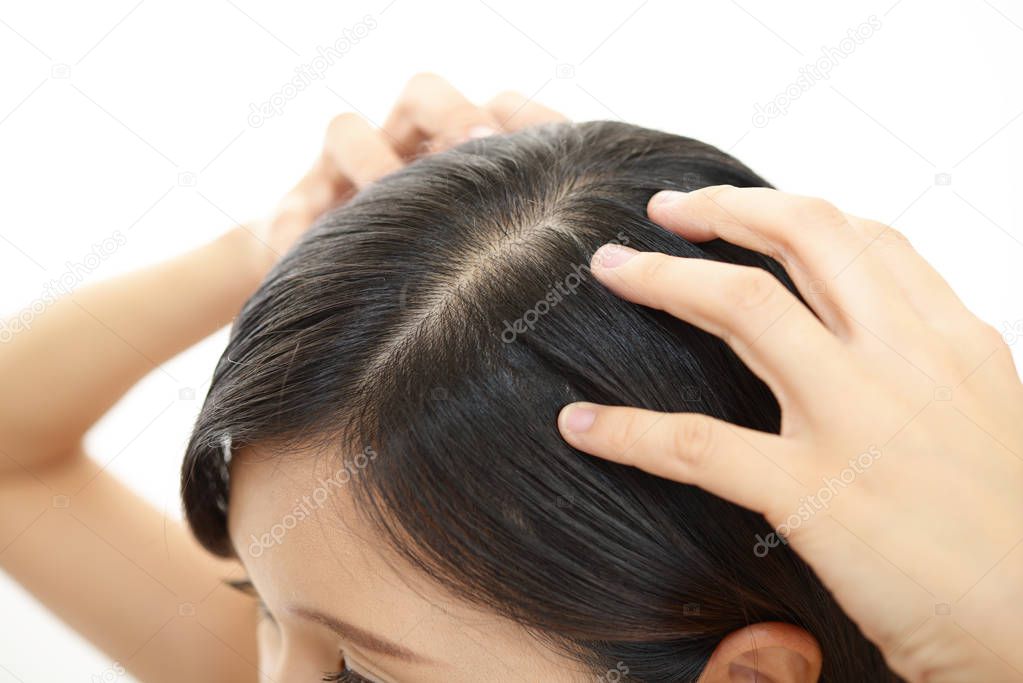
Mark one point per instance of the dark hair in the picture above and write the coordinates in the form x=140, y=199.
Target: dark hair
x=442, y=318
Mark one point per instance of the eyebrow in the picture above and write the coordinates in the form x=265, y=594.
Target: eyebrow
x=359, y=636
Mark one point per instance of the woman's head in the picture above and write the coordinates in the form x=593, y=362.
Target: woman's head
x=390, y=395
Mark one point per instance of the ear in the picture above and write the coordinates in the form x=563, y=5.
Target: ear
x=769, y=652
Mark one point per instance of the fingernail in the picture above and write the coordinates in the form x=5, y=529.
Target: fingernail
x=481, y=132
x=577, y=417
x=666, y=197
x=612, y=256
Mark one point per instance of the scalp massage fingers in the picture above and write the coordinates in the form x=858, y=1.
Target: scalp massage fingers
x=773, y=351
x=611, y=565
x=429, y=116
x=514, y=111
x=897, y=384
x=823, y=256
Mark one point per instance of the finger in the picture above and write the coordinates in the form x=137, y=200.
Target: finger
x=744, y=466
x=935, y=302
x=826, y=257
x=359, y=154
x=761, y=320
x=430, y=111
x=354, y=155
x=313, y=195
x=514, y=111
x=925, y=288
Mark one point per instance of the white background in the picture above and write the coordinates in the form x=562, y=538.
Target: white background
x=108, y=109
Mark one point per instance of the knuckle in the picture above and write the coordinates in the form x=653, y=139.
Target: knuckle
x=890, y=237
x=656, y=282
x=887, y=233
x=369, y=170
x=712, y=197
x=424, y=80
x=722, y=202
x=719, y=191
x=818, y=213
x=507, y=99
x=989, y=336
x=344, y=124
x=404, y=107
x=415, y=91
x=622, y=440
x=870, y=229
x=894, y=234
x=693, y=440
x=879, y=234
x=462, y=114
x=749, y=288
x=654, y=267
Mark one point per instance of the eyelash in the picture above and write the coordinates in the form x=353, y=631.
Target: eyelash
x=346, y=675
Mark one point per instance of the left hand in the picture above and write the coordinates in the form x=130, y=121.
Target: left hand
x=429, y=116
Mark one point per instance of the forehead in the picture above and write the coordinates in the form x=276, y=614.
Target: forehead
x=294, y=526
x=293, y=517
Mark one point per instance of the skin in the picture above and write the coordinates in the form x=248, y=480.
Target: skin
x=329, y=562
x=381, y=619
x=161, y=608
x=899, y=369
x=140, y=588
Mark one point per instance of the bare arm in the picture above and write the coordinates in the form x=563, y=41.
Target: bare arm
x=130, y=580
x=82, y=354
x=126, y=577
x=104, y=560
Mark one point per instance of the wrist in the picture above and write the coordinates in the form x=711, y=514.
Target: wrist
x=941, y=651
x=247, y=245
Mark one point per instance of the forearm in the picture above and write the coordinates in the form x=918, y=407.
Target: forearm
x=143, y=590
x=87, y=350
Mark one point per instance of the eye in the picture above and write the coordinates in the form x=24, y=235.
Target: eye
x=264, y=613
x=245, y=586
x=345, y=675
